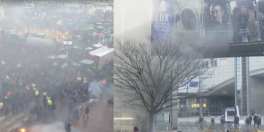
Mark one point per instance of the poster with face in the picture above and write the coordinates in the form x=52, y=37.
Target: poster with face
x=261, y=18
x=188, y=17
x=216, y=20
x=243, y=20
x=162, y=19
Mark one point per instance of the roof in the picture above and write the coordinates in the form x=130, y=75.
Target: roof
x=101, y=51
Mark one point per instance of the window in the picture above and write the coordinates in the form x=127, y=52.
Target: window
x=206, y=64
x=213, y=63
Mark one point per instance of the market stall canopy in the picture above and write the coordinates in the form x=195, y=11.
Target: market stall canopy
x=75, y=64
x=38, y=35
x=98, y=45
x=87, y=62
x=88, y=49
x=55, y=64
x=101, y=51
x=67, y=42
x=100, y=27
x=64, y=65
x=62, y=56
x=12, y=32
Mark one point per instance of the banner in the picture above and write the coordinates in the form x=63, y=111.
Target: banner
x=193, y=85
x=243, y=20
x=162, y=19
x=188, y=17
x=216, y=20
x=183, y=86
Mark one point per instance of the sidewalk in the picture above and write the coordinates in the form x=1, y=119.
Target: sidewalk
x=7, y=123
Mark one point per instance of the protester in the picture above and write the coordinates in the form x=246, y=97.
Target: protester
x=201, y=122
x=86, y=112
x=236, y=121
x=212, y=123
x=258, y=122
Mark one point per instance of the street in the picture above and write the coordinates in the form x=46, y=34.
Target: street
x=101, y=113
x=100, y=116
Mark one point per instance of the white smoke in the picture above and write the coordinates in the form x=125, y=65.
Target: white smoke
x=96, y=89
x=54, y=127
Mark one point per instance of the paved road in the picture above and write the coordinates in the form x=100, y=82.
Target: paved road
x=189, y=124
x=100, y=118
x=208, y=119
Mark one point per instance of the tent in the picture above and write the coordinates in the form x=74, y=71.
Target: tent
x=64, y=65
x=75, y=64
x=87, y=62
x=55, y=64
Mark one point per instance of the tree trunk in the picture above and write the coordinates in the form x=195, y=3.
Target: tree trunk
x=151, y=122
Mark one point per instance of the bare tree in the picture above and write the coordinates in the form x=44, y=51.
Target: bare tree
x=148, y=76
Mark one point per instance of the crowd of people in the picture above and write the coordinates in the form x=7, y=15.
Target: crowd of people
x=248, y=121
x=56, y=35
x=29, y=77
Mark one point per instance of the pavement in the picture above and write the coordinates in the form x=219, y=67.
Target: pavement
x=208, y=119
x=101, y=113
x=100, y=117
x=9, y=122
x=189, y=124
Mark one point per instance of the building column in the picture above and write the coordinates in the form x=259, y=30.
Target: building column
x=201, y=105
x=241, y=84
x=174, y=111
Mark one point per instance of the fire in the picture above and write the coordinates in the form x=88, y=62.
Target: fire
x=104, y=81
x=22, y=130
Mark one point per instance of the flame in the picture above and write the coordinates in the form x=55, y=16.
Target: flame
x=104, y=81
x=22, y=130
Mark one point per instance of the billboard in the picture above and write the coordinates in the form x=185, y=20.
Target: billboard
x=222, y=28
x=187, y=19
x=216, y=22
x=243, y=21
x=261, y=17
x=162, y=18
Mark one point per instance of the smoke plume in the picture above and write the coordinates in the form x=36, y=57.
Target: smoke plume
x=96, y=89
x=54, y=127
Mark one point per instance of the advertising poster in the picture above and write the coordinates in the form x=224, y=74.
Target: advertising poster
x=187, y=19
x=162, y=19
x=243, y=20
x=216, y=19
x=261, y=18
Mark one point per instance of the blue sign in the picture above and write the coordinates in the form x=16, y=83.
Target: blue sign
x=163, y=18
x=193, y=84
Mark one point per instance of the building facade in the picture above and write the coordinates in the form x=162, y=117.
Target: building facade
x=234, y=81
